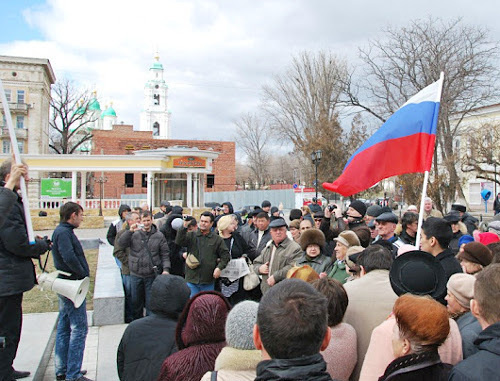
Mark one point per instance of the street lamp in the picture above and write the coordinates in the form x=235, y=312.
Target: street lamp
x=316, y=158
x=101, y=180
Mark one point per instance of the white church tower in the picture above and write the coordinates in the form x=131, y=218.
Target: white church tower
x=154, y=115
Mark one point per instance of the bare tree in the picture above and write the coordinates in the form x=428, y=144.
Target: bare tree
x=303, y=108
x=406, y=60
x=70, y=118
x=482, y=152
x=253, y=138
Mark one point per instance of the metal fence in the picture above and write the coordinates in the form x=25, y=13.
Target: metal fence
x=239, y=199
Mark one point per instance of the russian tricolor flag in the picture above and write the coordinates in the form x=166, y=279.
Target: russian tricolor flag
x=404, y=144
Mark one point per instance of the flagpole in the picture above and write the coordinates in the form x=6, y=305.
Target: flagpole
x=426, y=181
x=17, y=158
x=421, y=214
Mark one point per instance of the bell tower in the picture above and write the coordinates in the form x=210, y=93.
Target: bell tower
x=154, y=114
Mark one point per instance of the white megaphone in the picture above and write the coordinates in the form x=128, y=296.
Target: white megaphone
x=75, y=290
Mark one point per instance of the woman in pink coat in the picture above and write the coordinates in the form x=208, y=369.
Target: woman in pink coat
x=341, y=354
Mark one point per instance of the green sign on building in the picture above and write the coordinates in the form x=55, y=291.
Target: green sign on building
x=56, y=188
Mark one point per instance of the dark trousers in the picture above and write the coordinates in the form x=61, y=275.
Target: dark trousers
x=11, y=320
x=140, y=288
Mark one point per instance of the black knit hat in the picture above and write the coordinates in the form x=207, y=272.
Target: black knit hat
x=359, y=206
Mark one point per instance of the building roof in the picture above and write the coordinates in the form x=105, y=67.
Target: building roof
x=110, y=111
x=32, y=61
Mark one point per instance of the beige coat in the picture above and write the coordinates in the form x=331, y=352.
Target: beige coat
x=235, y=365
x=287, y=253
x=371, y=299
x=380, y=355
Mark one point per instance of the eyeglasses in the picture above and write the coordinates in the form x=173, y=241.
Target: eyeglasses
x=318, y=219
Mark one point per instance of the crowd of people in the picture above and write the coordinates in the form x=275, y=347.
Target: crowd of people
x=326, y=294
x=342, y=295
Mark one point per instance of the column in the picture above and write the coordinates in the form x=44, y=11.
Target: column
x=153, y=191
x=83, y=189
x=195, y=191
x=73, y=185
x=149, y=193
x=189, y=190
x=202, y=191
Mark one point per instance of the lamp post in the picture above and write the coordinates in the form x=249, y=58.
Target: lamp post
x=316, y=158
x=101, y=180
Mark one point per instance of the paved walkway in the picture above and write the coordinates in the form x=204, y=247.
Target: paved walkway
x=36, y=353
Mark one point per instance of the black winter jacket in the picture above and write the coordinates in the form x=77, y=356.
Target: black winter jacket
x=17, y=273
x=141, y=353
x=302, y=368
x=140, y=262
x=7, y=200
x=484, y=365
x=68, y=253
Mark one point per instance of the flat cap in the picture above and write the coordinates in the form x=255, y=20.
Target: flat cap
x=387, y=217
x=277, y=223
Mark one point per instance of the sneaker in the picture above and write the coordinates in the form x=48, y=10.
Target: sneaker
x=20, y=374
x=62, y=377
x=83, y=378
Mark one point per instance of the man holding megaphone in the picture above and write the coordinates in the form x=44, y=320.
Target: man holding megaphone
x=72, y=325
x=17, y=274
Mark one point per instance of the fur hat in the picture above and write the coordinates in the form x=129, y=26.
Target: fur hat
x=348, y=238
x=462, y=287
x=239, y=325
x=266, y=204
x=359, y=206
x=476, y=252
x=310, y=237
x=305, y=273
x=459, y=208
x=294, y=224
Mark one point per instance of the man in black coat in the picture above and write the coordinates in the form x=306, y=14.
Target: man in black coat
x=485, y=364
x=435, y=239
x=17, y=273
x=292, y=354
x=141, y=353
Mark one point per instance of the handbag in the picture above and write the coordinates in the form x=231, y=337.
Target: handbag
x=252, y=279
x=191, y=261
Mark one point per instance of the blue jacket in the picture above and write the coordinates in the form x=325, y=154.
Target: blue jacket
x=485, y=364
x=68, y=252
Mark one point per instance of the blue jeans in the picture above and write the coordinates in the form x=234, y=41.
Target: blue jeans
x=72, y=331
x=140, y=291
x=195, y=288
x=128, y=298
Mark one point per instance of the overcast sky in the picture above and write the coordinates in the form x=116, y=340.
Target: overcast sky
x=216, y=54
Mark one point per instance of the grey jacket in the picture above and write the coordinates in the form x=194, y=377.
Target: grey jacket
x=140, y=262
x=287, y=254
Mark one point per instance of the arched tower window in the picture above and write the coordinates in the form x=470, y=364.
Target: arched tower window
x=156, y=129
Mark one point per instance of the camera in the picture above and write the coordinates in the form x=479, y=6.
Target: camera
x=186, y=217
x=140, y=226
x=331, y=208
